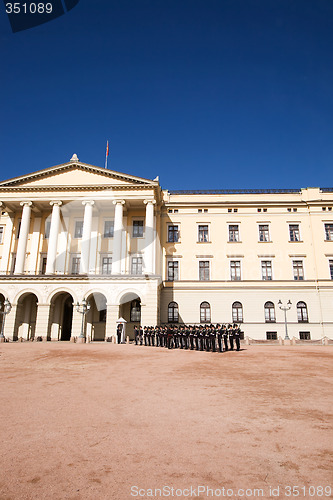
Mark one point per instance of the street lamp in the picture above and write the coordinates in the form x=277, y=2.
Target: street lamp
x=83, y=309
x=285, y=309
x=6, y=310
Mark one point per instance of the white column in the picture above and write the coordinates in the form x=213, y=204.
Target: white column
x=53, y=237
x=149, y=237
x=6, y=245
x=86, y=235
x=23, y=237
x=117, y=238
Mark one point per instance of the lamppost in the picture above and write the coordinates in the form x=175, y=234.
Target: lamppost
x=6, y=310
x=83, y=309
x=285, y=309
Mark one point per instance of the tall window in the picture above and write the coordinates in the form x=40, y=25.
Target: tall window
x=173, y=233
x=302, y=312
x=235, y=270
x=136, y=265
x=203, y=233
x=237, y=312
x=47, y=229
x=78, y=229
x=204, y=312
x=294, y=232
x=108, y=229
x=204, y=270
x=263, y=232
x=298, y=270
x=76, y=265
x=173, y=315
x=106, y=265
x=137, y=228
x=173, y=270
x=331, y=268
x=266, y=270
x=329, y=232
x=1, y=233
x=43, y=266
x=234, y=232
x=269, y=312
x=135, y=311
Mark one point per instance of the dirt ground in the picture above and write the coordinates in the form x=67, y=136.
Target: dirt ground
x=105, y=421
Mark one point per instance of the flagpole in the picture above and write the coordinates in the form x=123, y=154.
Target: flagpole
x=106, y=154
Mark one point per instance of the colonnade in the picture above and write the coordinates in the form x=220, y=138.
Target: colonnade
x=119, y=241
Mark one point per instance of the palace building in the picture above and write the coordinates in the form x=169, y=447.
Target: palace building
x=151, y=256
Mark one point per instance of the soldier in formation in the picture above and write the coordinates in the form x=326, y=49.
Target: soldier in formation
x=214, y=338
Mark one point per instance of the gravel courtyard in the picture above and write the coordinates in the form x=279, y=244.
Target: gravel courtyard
x=105, y=421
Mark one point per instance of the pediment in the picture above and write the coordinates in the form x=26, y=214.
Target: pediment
x=76, y=174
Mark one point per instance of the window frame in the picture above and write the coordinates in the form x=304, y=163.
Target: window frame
x=139, y=262
x=237, y=312
x=328, y=226
x=265, y=276
x=2, y=232
x=110, y=233
x=204, y=269
x=292, y=232
x=205, y=312
x=173, y=317
x=201, y=225
x=233, y=234
x=78, y=234
x=302, y=312
x=175, y=233
x=138, y=223
x=108, y=257
x=233, y=265
x=135, y=309
x=297, y=266
x=330, y=266
x=76, y=264
x=175, y=265
x=263, y=232
x=269, y=312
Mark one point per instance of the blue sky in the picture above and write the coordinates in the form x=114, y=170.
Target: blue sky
x=204, y=93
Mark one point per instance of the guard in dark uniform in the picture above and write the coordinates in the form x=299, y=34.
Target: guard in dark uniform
x=201, y=338
x=231, y=337
x=207, y=338
x=219, y=332
x=236, y=330
x=213, y=338
x=141, y=335
x=225, y=338
x=119, y=332
x=169, y=338
x=136, y=335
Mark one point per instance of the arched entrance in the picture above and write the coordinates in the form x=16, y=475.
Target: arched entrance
x=26, y=315
x=96, y=317
x=61, y=315
x=130, y=310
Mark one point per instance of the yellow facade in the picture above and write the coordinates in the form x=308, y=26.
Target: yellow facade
x=75, y=231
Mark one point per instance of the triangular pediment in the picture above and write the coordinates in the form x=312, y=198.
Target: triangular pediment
x=76, y=174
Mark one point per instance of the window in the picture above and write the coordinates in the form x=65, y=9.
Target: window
x=298, y=270
x=294, y=232
x=136, y=265
x=76, y=265
x=204, y=270
x=173, y=233
x=271, y=335
x=43, y=266
x=13, y=262
x=135, y=316
x=47, y=229
x=233, y=233
x=173, y=315
x=204, y=312
x=237, y=312
x=304, y=335
x=269, y=312
x=203, y=233
x=263, y=232
x=138, y=229
x=108, y=229
x=331, y=268
x=106, y=265
x=229, y=210
x=302, y=312
x=1, y=233
x=173, y=270
x=266, y=270
x=329, y=232
x=78, y=229
x=102, y=316
x=18, y=229
x=235, y=270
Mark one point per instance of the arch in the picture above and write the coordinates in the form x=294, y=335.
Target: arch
x=237, y=312
x=173, y=312
x=26, y=316
x=302, y=312
x=61, y=290
x=127, y=296
x=27, y=291
x=205, y=315
x=97, y=316
x=61, y=316
x=269, y=309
